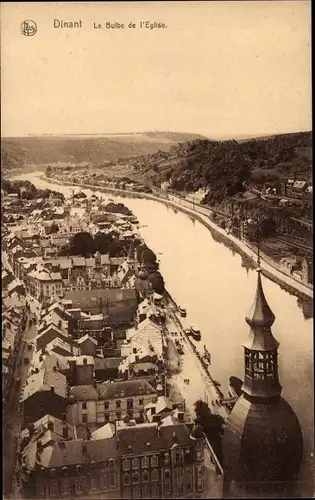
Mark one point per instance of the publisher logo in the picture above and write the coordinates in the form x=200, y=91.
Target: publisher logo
x=28, y=28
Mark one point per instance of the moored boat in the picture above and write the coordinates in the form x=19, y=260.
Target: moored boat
x=232, y=392
x=196, y=334
x=182, y=311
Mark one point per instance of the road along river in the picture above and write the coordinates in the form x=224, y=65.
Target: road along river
x=208, y=279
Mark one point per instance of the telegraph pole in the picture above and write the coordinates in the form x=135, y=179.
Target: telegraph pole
x=258, y=241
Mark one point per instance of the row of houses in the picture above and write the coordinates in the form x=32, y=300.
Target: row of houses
x=122, y=438
x=163, y=459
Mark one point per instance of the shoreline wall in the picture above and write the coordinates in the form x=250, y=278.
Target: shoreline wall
x=199, y=213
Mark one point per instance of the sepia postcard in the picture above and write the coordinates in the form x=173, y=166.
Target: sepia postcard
x=156, y=249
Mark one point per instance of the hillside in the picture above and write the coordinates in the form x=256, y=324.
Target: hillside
x=223, y=167
x=76, y=149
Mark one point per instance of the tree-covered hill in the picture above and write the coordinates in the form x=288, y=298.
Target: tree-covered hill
x=222, y=167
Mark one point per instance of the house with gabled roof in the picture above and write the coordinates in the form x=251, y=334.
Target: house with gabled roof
x=48, y=334
x=145, y=334
x=44, y=392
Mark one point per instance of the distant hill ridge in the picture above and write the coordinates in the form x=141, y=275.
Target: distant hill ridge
x=40, y=150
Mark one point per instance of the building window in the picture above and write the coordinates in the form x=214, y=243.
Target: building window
x=126, y=479
x=84, y=406
x=126, y=464
x=141, y=402
x=145, y=476
x=167, y=489
x=118, y=403
x=145, y=462
x=180, y=488
x=106, y=417
x=166, y=459
x=53, y=472
x=188, y=472
x=79, y=486
x=84, y=418
x=155, y=490
x=103, y=482
x=127, y=493
x=189, y=486
x=135, y=463
x=136, y=492
x=145, y=491
x=41, y=489
x=65, y=487
x=54, y=489
x=112, y=479
x=154, y=474
x=167, y=475
x=136, y=477
x=154, y=461
x=94, y=483
x=41, y=406
x=78, y=467
x=106, y=405
x=118, y=415
x=129, y=404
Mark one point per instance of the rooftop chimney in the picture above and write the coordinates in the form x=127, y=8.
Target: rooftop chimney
x=180, y=416
x=50, y=425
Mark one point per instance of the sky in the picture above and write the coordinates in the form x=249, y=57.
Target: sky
x=221, y=69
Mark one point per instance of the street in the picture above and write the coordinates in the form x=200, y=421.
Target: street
x=193, y=381
x=13, y=417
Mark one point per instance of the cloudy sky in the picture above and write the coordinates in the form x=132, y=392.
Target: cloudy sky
x=219, y=68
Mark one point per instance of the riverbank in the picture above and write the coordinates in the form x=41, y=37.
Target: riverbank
x=269, y=268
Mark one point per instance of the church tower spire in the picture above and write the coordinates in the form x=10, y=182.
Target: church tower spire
x=263, y=442
x=261, y=381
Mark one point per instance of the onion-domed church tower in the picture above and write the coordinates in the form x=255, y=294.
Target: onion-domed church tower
x=262, y=443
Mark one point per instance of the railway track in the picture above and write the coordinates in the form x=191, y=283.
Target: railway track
x=296, y=243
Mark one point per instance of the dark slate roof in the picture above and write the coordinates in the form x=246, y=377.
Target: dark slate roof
x=126, y=388
x=83, y=297
x=143, y=366
x=135, y=439
x=44, y=380
x=262, y=444
x=78, y=261
x=76, y=452
x=83, y=393
x=107, y=363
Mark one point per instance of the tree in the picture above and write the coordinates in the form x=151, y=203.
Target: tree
x=146, y=255
x=54, y=228
x=211, y=424
x=157, y=282
x=103, y=242
x=82, y=244
x=267, y=227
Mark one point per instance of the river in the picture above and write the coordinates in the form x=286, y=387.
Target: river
x=208, y=279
